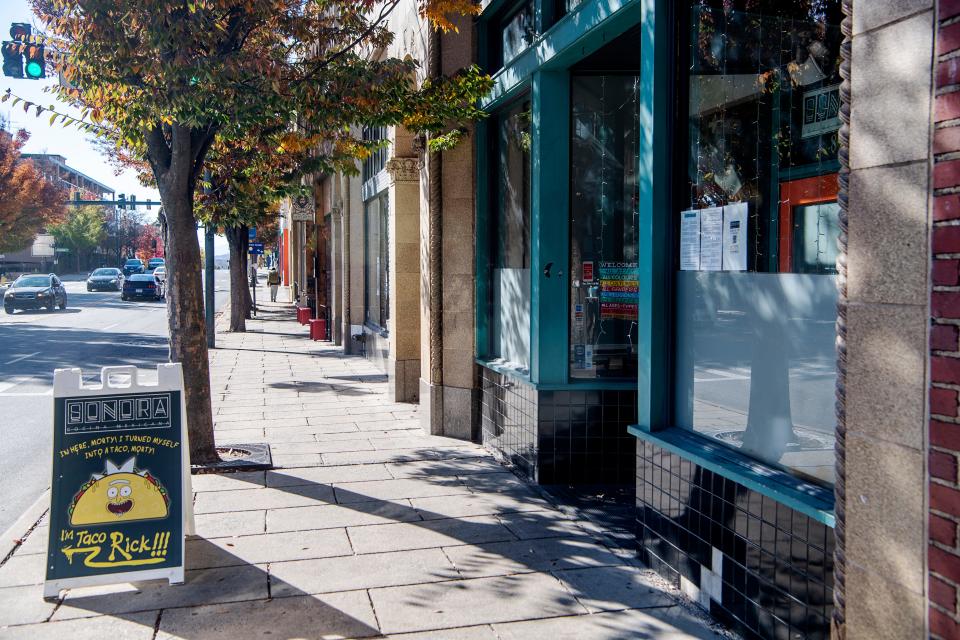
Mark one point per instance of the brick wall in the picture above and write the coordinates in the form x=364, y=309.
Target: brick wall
x=944, y=516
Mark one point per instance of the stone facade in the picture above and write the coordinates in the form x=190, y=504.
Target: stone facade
x=402, y=352
x=887, y=318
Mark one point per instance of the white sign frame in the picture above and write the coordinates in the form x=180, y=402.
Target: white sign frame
x=68, y=383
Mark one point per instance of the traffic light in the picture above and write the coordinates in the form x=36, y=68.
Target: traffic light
x=20, y=53
x=36, y=64
x=133, y=202
x=122, y=201
x=13, y=50
x=12, y=60
x=20, y=31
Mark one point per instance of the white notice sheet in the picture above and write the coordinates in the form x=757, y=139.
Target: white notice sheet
x=690, y=240
x=711, y=239
x=735, y=218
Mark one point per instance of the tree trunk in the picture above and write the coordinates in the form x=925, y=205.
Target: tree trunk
x=238, y=281
x=174, y=167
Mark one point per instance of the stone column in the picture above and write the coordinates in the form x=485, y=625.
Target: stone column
x=887, y=319
x=335, y=276
x=403, y=366
x=451, y=407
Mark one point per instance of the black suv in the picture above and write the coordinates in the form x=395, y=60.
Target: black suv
x=132, y=266
x=35, y=292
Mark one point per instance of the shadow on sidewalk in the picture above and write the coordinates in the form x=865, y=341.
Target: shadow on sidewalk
x=236, y=601
x=495, y=547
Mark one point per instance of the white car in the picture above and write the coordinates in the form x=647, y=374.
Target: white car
x=161, y=272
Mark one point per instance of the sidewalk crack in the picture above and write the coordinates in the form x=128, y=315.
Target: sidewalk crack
x=443, y=550
x=156, y=625
x=376, y=619
x=269, y=589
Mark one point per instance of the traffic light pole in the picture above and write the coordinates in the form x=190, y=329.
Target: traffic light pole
x=208, y=286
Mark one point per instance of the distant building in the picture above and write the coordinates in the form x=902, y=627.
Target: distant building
x=41, y=256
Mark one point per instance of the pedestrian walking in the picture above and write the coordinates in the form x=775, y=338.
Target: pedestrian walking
x=273, y=280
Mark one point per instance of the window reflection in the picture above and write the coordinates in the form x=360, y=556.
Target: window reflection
x=509, y=305
x=756, y=294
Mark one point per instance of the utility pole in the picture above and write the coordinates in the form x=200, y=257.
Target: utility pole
x=208, y=276
x=208, y=286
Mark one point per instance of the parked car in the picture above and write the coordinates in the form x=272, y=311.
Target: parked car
x=153, y=263
x=105, y=278
x=142, y=285
x=35, y=292
x=161, y=272
x=132, y=266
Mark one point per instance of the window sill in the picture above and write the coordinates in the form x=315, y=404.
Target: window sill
x=805, y=497
x=506, y=368
x=375, y=329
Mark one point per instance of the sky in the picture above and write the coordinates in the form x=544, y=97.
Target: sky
x=78, y=148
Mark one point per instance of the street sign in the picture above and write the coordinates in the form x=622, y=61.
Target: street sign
x=120, y=501
x=303, y=208
x=253, y=233
x=255, y=249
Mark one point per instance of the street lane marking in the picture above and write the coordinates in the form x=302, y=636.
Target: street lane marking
x=29, y=355
x=111, y=326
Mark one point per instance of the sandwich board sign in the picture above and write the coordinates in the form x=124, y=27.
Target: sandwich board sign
x=120, y=500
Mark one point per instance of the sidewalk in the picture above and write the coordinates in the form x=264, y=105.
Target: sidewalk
x=365, y=528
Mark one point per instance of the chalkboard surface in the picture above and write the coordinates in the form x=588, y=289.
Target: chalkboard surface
x=117, y=491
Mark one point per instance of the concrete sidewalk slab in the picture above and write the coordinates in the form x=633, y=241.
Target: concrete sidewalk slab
x=366, y=527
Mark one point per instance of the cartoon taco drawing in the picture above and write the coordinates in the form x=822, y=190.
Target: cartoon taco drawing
x=120, y=494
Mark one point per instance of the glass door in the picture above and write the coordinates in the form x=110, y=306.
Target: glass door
x=603, y=226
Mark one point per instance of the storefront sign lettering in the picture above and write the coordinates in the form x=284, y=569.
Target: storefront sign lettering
x=619, y=290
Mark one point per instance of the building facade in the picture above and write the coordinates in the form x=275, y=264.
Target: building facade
x=704, y=250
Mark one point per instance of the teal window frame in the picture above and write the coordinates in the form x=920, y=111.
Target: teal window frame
x=655, y=321
x=543, y=70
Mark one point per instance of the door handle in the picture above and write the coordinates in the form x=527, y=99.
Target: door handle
x=546, y=269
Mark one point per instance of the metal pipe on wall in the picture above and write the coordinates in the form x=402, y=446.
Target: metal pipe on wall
x=435, y=241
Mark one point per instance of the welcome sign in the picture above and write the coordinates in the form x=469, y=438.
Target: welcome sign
x=121, y=495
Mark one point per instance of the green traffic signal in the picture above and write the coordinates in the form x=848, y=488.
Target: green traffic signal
x=36, y=63
x=34, y=69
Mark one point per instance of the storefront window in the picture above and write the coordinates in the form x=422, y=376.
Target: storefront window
x=757, y=230
x=603, y=226
x=376, y=161
x=517, y=30
x=377, y=263
x=509, y=304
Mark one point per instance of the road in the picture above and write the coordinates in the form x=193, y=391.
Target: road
x=96, y=330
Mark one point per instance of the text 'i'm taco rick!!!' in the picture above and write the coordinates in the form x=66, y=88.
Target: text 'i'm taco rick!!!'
x=120, y=494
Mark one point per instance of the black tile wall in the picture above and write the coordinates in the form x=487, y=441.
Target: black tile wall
x=508, y=413
x=583, y=437
x=560, y=437
x=759, y=566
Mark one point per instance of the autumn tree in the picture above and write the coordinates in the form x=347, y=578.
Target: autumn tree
x=81, y=231
x=148, y=243
x=29, y=203
x=165, y=80
x=242, y=178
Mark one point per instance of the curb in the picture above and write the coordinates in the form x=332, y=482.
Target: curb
x=13, y=537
